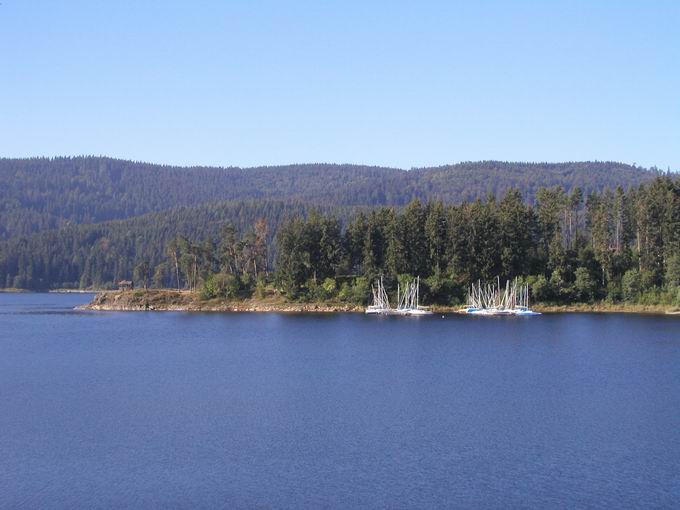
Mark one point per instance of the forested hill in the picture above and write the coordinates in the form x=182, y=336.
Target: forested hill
x=97, y=255
x=46, y=193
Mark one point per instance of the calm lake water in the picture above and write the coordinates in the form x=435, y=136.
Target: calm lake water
x=175, y=410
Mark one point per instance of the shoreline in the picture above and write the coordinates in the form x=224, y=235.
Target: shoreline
x=608, y=308
x=73, y=291
x=186, y=301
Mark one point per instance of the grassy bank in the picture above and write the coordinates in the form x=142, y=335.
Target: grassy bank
x=604, y=307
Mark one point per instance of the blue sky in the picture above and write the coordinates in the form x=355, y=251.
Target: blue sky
x=386, y=83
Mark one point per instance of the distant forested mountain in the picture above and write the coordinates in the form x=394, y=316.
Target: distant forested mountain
x=41, y=194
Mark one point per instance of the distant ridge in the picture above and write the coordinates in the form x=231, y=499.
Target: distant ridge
x=38, y=194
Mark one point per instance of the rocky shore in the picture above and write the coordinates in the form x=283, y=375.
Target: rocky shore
x=184, y=301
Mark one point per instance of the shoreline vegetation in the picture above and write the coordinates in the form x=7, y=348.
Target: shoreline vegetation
x=188, y=301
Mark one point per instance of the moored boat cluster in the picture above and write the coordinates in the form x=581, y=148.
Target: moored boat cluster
x=407, y=300
x=483, y=300
x=489, y=300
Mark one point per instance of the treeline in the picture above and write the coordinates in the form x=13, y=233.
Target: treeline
x=41, y=194
x=615, y=246
x=98, y=256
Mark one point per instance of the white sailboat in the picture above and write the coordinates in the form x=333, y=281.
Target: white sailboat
x=409, y=301
x=381, y=303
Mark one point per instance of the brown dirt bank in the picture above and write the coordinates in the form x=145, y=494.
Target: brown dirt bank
x=184, y=301
x=608, y=308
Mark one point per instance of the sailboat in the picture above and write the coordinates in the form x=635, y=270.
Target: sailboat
x=409, y=301
x=521, y=306
x=381, y=303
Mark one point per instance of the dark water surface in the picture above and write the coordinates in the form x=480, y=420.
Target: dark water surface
x=172, y=410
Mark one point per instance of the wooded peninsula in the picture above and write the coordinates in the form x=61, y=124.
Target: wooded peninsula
x=585, y=234
x=612, y=250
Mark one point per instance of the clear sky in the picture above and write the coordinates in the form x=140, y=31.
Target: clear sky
x=386, y=83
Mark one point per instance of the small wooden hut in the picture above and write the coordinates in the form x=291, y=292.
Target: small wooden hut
x=126, y=285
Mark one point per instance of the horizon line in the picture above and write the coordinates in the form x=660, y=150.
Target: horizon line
x=378, y=166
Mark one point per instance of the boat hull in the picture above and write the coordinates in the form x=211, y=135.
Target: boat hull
x=485, y=312
x=377, y=311
x=412, y=311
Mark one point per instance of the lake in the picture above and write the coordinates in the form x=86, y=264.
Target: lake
x=189, y=410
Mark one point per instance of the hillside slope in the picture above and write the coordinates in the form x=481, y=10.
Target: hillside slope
x=46, y=193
